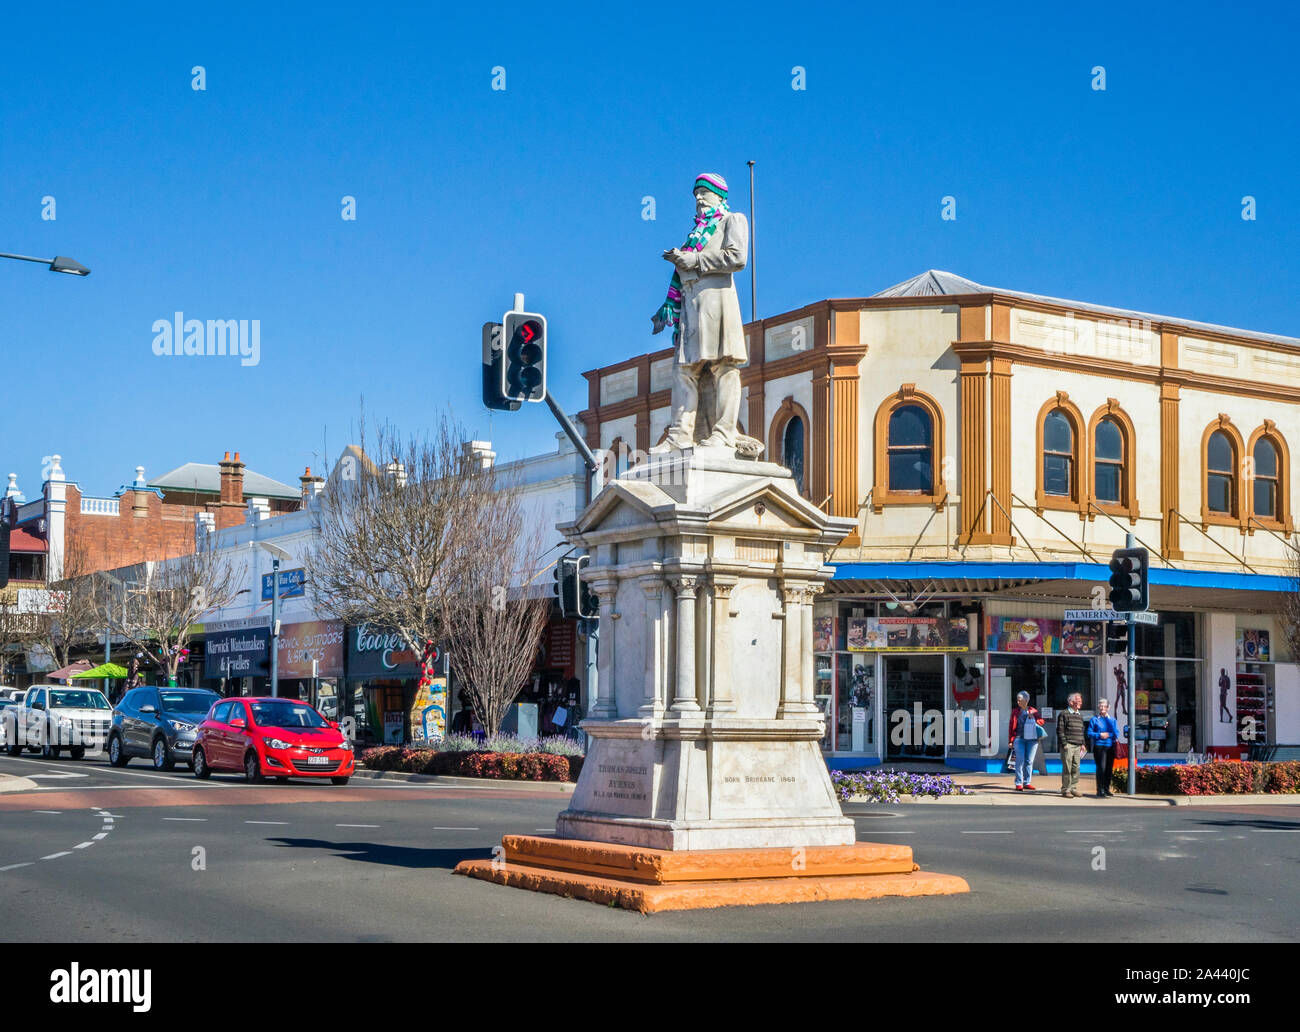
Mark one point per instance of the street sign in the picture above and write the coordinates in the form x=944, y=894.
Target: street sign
x=1110, y=614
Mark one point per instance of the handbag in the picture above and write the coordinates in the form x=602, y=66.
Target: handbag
x=1011, y=758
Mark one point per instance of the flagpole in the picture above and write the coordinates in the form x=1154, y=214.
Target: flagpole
x=753, y=272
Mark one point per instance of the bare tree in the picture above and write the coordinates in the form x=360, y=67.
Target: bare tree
x=1290, y=609
x=496, y=614
x=17, y=631
x=417, y=544
x=73, y=615
x=164, y=601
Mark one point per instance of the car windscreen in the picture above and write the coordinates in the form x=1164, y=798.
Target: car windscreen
x=285, y=714
x=193, y=703
x=79, y=699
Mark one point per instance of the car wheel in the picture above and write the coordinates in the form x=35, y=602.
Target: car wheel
x=200, y=765
x=252, y=767
x=48, y=751
x=117, y=756
x=161, y=758
x=14, y=748
x=338, y=781
x=77, y=752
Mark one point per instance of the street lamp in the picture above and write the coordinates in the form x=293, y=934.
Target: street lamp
x=277, y=553
x=56, y=264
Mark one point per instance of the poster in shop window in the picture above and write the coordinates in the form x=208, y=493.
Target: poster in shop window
x=1252, y=645
x=1045, y=636
x=823, y=634
x=908, y=634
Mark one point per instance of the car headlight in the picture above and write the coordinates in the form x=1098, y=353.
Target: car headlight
x=275, y=743
x=180, y=725
x=346, y=744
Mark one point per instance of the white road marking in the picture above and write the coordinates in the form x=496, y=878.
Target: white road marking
x=1281, y=831
x=83, y=845
x=1192, y=831
x=200, y=819
x=47, y=811
x=55, y=856
x=13, y=867
x=437, y=828
x=356, y=825
x=101, y=835
x=54, y=774
x=988, y=832
x=266, y=822
x=1097, y=831
x=544, y=829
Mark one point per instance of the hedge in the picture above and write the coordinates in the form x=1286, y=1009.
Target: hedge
x=1219, y=777
x=504, y=766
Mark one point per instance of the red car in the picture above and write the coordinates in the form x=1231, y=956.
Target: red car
x=270, y=737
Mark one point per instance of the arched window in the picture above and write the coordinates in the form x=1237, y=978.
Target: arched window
x=1221, y=475
x=908, y=457
x=1058, y=455
x=910, y=445
x=1062, y=456
x=1113, y=479
x=1108, y=463
x=788, y=442
x=792, y=449
x=1268, y=483
x=1265, y=495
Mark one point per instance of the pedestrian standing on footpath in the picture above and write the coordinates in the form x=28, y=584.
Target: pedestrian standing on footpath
x=1071, y=743
x=1102, y=736
x=1026, y=730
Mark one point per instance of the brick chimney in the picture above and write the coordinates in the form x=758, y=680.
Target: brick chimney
x=232, y=480
x=311, y=486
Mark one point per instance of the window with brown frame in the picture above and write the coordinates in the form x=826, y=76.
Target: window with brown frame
x=1058, y=455
x=1267, y=479
x=1221, y=474
x=910, y=450
x=1108, y=481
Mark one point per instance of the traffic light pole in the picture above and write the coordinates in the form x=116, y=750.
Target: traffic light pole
x=1131, y=618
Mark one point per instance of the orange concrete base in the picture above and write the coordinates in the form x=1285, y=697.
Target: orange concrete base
x=648, y=880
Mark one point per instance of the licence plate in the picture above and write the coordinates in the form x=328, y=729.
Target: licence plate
x=317, y=761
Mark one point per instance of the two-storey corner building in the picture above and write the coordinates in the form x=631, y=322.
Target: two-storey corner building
x=995, y=447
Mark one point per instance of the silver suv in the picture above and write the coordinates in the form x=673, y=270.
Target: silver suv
x=160, y=723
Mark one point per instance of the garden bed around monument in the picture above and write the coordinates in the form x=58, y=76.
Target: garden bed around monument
x=504, y=758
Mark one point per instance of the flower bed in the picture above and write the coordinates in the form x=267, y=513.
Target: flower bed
x=1219, y=777
x=890, y=786
x=474, y=763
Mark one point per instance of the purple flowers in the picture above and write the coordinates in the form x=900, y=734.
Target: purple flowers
x=888, y=786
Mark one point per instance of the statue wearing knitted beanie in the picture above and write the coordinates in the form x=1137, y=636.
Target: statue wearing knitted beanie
x=703, y=310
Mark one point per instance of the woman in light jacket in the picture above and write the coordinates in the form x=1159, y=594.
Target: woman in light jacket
x=1026, y=729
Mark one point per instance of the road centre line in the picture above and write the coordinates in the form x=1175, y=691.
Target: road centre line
x=988, y=832
x=266, y=822
x=185, y=818
x=437, y=828
x=356, y=825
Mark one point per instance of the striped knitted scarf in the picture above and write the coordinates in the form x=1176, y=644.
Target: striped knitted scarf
x=706, y=224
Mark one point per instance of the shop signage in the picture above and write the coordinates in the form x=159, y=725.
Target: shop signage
x=392, y=727
x=374, y=651
x=1146, y=617
x=908, y=634
x=1035, y=634
x=237, y=653
x=319, y=640
x=292, y=584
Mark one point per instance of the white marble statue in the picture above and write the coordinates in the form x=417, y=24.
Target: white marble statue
x=703, y=311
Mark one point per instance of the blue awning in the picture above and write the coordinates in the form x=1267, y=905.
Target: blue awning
x=1093, y=572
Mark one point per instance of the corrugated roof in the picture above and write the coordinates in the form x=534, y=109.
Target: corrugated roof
x=937, y=283
x=206, y=477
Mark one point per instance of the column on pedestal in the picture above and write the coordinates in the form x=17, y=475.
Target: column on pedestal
x=606, y=707
x=684, y=690
x=808, y=693
x=653, y=701
x=792, y=633
x=722, y=701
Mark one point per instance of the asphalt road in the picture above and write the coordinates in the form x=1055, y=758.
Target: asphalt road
x=105, y=855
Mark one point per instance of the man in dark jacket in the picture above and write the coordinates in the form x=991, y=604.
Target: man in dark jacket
x=1071, y=742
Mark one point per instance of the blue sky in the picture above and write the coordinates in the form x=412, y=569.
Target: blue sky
x=226, y=203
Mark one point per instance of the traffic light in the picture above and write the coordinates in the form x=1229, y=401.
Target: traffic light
x=493, y=374
x=574, y=594
x=1129, y=591
x=566, y=584
x=1116, y=638
x=523, y=370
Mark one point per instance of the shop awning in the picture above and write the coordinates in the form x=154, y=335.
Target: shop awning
x=1067, y=583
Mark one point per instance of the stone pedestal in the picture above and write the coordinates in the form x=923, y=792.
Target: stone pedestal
x=704, y=783
x=705, y=734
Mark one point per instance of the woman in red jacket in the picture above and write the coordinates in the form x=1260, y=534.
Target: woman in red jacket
x=1026, y=729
